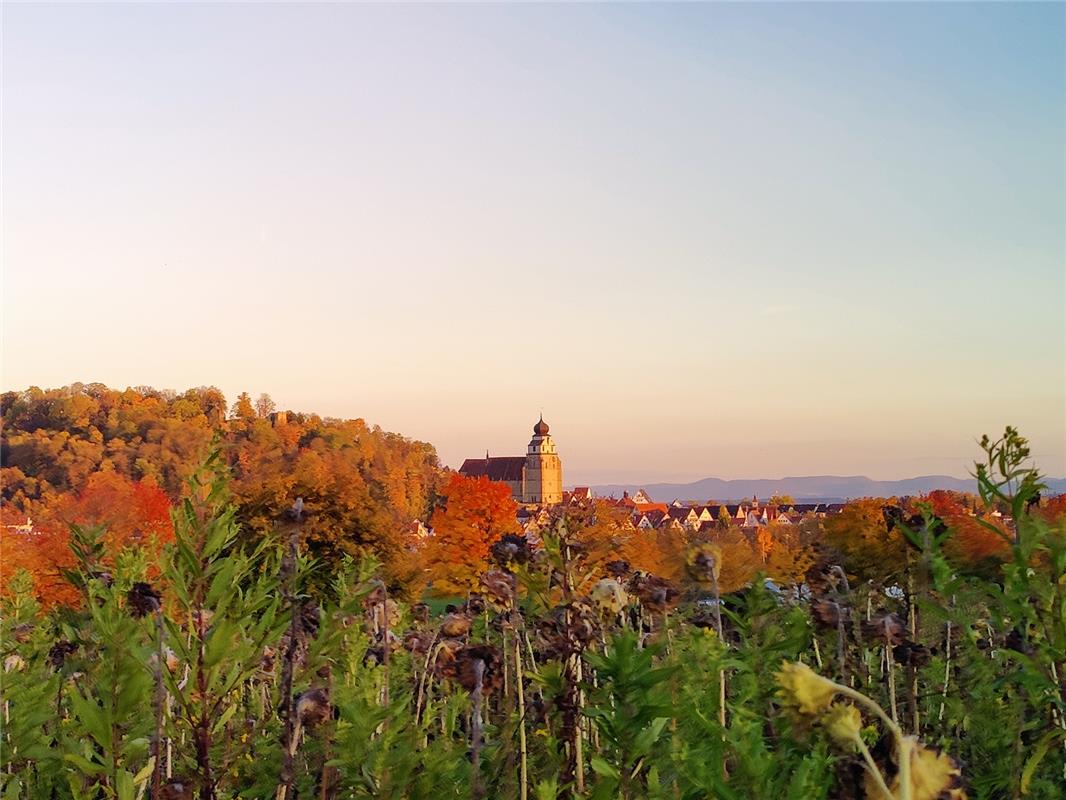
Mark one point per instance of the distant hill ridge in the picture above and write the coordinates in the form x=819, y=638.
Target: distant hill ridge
x=820, y=488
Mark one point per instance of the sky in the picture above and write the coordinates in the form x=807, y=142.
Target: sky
x=705, y=240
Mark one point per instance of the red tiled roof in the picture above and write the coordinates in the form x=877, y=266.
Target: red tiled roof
x=497, y=468
x=645, y=507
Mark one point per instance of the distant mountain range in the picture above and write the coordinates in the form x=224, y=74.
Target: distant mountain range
x=813, y=488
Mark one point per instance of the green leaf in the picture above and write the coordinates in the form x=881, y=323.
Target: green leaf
x=84, y=764
x=145, y=773
x=124, y=788
x=601, y=767
x=1034, y=760
x=92, y=718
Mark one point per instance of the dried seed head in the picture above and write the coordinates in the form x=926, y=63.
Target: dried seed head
x=475, y=605
x=887, y=627
x=499, y=587
x=313, y=707
x=14, y=663
x=376, y=595
x=912, y=654
x=418, y=642
x=618, y=568
x=656, y=594
x=511, y=549
x=829, y=613
x=455, y=625
x=420, y=613
x=704, y=562
x=467, y=660
x=444, y=660
x=177, y=789
x=58, y=653
x=143, y=600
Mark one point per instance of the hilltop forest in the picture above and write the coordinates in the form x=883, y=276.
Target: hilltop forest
x=88, y=454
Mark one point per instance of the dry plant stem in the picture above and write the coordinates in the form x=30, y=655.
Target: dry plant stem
x=529, y=650
x=506, y=672
x=523, y=764
x=288, y=734
x=579, y=760
x=903, y=745
x=841, y=651
x=385, y=645
x=475, y=731
x=912, y=692
x=202, y=733
x=721, y=640
x=947, y=668
x=431, y=656
x=159, y=702
x=817, y=652
x=890, y=676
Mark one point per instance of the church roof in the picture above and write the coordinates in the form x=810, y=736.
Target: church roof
x=497, y=468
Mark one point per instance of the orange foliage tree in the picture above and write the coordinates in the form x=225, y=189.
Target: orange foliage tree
x=473, y=514
x=133, y=514
x=971, y=545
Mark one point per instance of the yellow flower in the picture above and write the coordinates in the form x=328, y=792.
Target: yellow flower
x=843, y=723
x=803, y=689
x=934, y=775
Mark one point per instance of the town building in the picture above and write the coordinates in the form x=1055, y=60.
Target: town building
x=535, y=478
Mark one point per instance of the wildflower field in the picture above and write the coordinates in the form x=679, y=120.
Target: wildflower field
x=228, y=669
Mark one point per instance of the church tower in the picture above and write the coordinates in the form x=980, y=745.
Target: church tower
x=543, y=473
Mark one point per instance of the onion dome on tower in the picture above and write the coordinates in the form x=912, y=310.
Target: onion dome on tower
x=541, y=428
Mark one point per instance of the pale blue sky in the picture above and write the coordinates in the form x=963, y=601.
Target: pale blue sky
x=731, y=240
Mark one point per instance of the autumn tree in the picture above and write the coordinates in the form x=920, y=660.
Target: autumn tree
x=243, y=409
x=789, y=552
x=724, y=519
x=131, y=513
x=860, y=536
x=601, y=530
x=264, y=406
x=971, y=545
x=473, y=514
